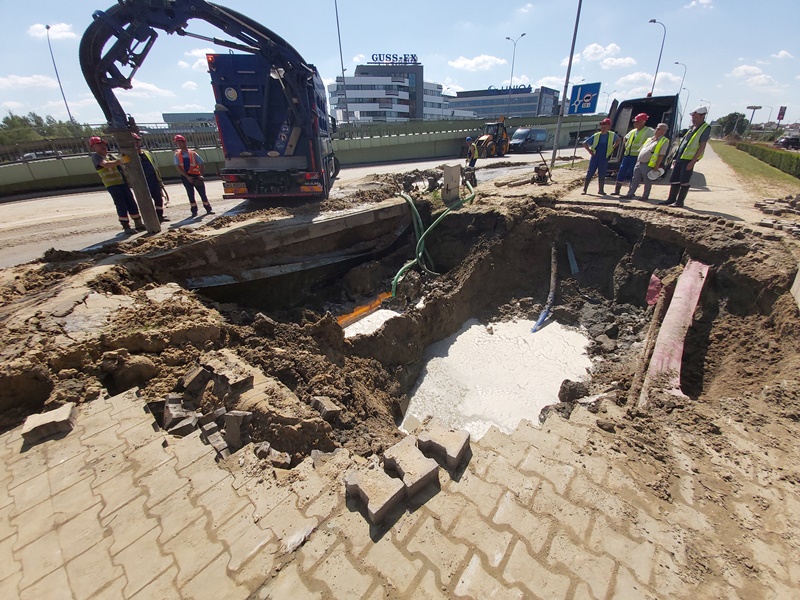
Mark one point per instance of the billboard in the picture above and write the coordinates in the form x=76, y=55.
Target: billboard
x=781, y=113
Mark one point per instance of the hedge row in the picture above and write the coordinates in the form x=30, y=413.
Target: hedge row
x=788, y=162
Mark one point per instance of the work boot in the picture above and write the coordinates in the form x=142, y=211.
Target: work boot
x=617, y=189
x=163, y=219
x=209, y=210
x=126, y=227
x=673, y=195
x=137, y=221
x=194, y=210
x=601, y=183
x=682, y=196
x=586, y=185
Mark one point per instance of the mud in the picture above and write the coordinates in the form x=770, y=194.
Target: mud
x=80, y=324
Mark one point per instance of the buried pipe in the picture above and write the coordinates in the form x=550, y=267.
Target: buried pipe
x=419, y=252
x=553, y=282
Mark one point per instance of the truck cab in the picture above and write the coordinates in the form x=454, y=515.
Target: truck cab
x=660, y=109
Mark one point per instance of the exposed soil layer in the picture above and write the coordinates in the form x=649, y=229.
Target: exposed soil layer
x=78, y=326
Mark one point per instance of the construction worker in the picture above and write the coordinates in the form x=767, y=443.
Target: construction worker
x=190, y=166
x=152, y=176
x=600, y=146
x=631, y=145
x=689, y=152
x=110, y=171
x=472, y=153
x=651, y=155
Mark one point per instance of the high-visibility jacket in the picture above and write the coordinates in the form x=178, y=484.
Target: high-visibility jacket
x=110, y=175
x=473, y=151
x=194, y=168
x=612, y=137
x=657, y=151
x=635, y=139
x=694, y=144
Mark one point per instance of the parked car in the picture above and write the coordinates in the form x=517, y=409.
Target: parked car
x=42, y=154
x=789, y=142
x=528, y=140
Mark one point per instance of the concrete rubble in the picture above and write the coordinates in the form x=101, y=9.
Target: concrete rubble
x=39, y=427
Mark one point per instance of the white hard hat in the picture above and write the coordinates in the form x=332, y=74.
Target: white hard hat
x=655, y=174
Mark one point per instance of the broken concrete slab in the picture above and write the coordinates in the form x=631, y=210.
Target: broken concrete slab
x=60, y=420
x=327, y=408
x=446, y=443
x=212, y=417
x=262, y=450
x=175, y=411
x=414, y=468
x=281, y=460
x=195, y=380
x=185, y=426
x=380, y=492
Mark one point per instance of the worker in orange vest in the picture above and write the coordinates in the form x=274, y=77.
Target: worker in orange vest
x=190, y=166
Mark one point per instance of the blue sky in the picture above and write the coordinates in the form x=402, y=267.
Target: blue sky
x=737, y=53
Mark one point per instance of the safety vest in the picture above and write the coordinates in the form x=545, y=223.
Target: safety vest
x=473, y=150
x=694, y=144
x=657, y=151
x=596, y=139
x=194, y=168
x=149, y=157
x=110, y=175
x=635, y=140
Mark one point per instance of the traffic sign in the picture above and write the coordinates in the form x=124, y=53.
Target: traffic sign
x=583, y=100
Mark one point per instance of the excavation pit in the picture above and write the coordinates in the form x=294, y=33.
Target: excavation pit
x=494, y=271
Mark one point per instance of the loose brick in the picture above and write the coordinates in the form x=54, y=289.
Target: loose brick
x=415, y=469
x=376, y=489
x=327, y=408
x=195, y=380
x=38, y=427
x=237, y=428
x=450, y=445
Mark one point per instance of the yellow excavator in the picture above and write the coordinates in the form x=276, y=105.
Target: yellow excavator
x=494, y=141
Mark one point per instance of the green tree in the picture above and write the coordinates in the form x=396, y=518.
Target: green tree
x=32, y=127
x=734, y=122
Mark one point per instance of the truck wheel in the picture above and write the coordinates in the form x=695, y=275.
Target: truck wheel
x=336, y=166
x=491, y=148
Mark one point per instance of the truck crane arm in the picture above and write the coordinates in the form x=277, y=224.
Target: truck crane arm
x=132, y=24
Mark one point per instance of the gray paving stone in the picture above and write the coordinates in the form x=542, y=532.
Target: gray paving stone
x=60, y=420
x=414, y=468
x=449, y=444
x=376, y=489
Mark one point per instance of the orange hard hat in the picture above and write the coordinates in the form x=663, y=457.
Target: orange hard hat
x=97, y=140
x=179, y=138
x=641, y=117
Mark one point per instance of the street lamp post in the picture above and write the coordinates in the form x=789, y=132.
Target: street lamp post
x=608, y=97
x=754, y=108
x=445, y=88
x=658, y=64
x=341, y=61
x=709, y=106
x=566, y=84
x=685, y=104
x=47, y=28
x=513, y=57
x=682, y=78
x=769, y=118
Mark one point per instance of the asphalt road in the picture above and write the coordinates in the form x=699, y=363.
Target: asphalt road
x=80, y=221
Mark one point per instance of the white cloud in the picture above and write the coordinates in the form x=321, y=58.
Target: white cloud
x=183, y=64
x=576, y=58
x=328, y=81
x=518, y=80
x=552, y=82
x=11, y=105
x=59, y=31
x=142, y=89
x=699, y=3
x=189, y=85
x=746, y=71
x=201, y=64
x=760, y=81
x=16, y=82
x=189, y=108
x=484, y=62
x=612, y=63
x=637, y=78
x=526, y=9
x=598, y=52
x=782, y=54
x=358, y=58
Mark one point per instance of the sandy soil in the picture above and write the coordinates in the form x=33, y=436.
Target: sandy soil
x=80, y=324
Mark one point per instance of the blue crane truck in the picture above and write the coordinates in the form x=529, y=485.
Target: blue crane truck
x=271, y=107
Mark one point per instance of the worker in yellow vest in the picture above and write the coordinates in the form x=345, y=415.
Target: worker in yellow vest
x=648, y=164
x=600, y=146
x=689, y=152
x=190, y=165
x=152, y=176
x=109, y=167
x=631, y=145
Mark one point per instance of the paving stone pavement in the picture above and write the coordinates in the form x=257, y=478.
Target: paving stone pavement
x=117, y=509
